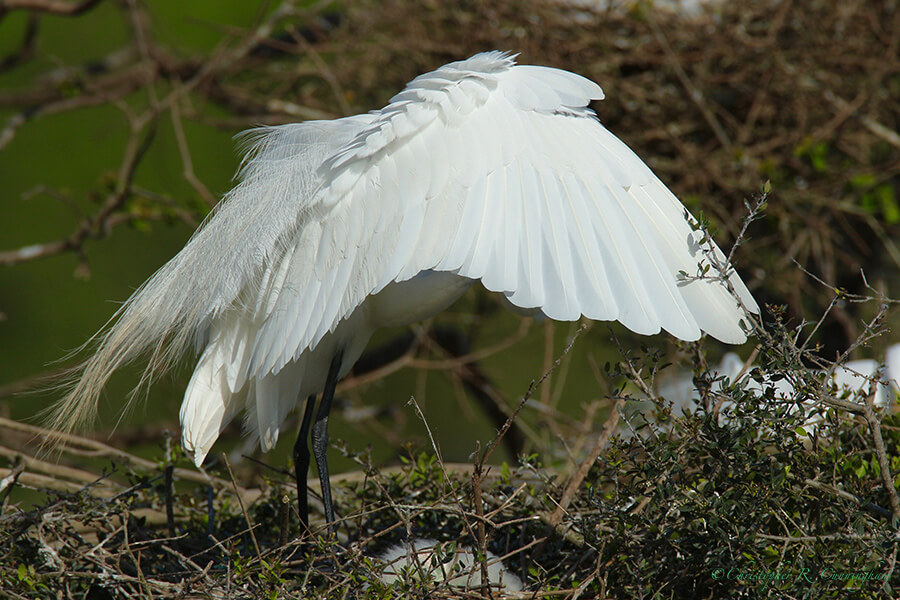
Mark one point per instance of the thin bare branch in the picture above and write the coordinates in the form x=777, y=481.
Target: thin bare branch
x=54, y=7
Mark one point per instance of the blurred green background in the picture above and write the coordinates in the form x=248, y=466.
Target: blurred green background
x=60, y=165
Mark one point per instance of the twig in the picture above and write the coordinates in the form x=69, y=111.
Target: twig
x=97, y=225
x=56, y=7
x=846, y=496
x=575, y=482
x=481, y=539
x=885, y=133
x=237, y=493
x=440, y=460
x=170, y=487
x=26, y=49
x=530, y=392
x=8, y=483
x=38, y=481
x=80, y=445
x=875, y=427
x=693, y=92
x=186, y=160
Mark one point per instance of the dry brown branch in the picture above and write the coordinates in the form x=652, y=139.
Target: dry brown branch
x=185, y=151
x=850, y=108
x=530, y=392
x=55, y=7
x=99, y=224
x=884, y=462
x=52, y=482
x=237, y=494
x=476, y=355
x=26, y=49
x=609, y=428
x=695, y=95
x=463, y=513
x=81, y=446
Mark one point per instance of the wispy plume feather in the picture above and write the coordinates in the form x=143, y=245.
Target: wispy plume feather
x=172, y=311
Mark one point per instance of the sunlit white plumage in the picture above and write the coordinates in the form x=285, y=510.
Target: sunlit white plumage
x=481, y=170
x=427, y=561
x=853, y=380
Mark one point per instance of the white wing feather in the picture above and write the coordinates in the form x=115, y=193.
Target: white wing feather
x=499, y=173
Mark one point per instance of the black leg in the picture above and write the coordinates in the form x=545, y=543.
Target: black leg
x=320, y=436
x=301, y=463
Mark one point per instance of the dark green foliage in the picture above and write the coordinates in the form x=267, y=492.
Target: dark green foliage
x=701, y=500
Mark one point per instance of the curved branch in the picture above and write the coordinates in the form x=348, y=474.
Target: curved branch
x=54, y=7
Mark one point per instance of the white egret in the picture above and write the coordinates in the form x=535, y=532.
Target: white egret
x=427, y=561
x=481, y=170
x=853, y=380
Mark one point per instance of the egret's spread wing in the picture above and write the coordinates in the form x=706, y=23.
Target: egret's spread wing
x=482, y=168
x=500, y=173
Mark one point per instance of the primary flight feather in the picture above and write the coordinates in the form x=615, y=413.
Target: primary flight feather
x=481, y=170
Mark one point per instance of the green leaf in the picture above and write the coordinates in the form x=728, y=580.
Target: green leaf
x=890, y=210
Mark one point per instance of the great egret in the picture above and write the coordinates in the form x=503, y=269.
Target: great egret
x=853, y=380
x=481, y=170
x=425, y=560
